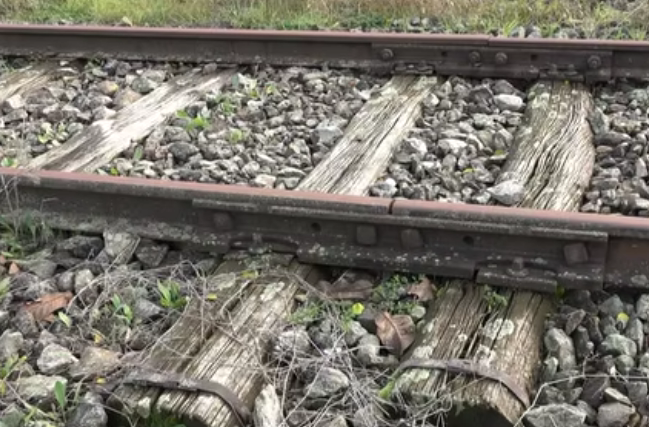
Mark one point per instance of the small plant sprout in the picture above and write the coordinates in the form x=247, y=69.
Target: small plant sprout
x=170, y=295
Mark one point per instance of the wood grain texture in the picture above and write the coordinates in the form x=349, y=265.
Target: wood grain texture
x=379, y=127
x=176, y=347
x=104, y=139
x=553, y=158
x=25, y=80
x=22, y=82
x=553, y=155
x=232, y=356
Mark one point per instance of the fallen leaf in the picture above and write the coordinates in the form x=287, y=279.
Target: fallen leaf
x=3, y=259
x=43, y=308
x=397, y=333
x=343, y=290
x=424, y=290
x=14, y=269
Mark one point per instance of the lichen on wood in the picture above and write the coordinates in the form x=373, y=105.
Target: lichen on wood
x=552, y=159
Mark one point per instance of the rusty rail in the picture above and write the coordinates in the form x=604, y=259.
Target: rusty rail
x=522, y=248
x=465, y=55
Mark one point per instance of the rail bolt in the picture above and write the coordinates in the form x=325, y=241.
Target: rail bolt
x=475, y=57
x=517, y=269
x=501, y=58
x=594, y=62
x=387, y=54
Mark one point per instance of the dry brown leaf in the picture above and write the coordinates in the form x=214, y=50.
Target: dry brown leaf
x=397, y=333
x=358, y=290
x=424, y=290
x=43, y=308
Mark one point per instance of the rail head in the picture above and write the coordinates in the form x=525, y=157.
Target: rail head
x=523, y=248
x=400, y=53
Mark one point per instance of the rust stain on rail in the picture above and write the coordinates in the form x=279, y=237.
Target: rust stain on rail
x=523, y=248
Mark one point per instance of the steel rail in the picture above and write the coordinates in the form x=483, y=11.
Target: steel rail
x=465, y=55
x=522, y=248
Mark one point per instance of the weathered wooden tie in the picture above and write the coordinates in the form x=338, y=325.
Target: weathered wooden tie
x=241, y=333
x=20, y=83
x=552, y=158
x=104, y=139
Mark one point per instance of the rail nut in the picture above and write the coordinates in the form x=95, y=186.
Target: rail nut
x=223, y=221
x=475, y=57
x=366, y=235
x=594, y=62
x=501, y=58
x=411, y=239
x=575, y=253
x=517, y=268
x=387, y=54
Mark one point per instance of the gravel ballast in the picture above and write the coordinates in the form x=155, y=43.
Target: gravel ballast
x=265, y=129
x=621, y=127
x=80, y=312
x=80, y=93
x=457, y=149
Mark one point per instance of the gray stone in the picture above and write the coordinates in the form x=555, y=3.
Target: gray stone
x=573, y=320
x=25, y=323
x=328, y=382
x=143, y=85
x=637, y=391
x=508, y=192
x=144, y=310
x=563, y=415
x=151, y=254
x=11, y=344
x=624, y=364
x=614, y=415
x=65, y=281
x=354, y=333
x=616, y=344
x=591, y=414
x=84, y=247
x=55, y=359
x=583, y=346
x=612, y=306
x=559, y=345
x=292, y=342
x=369, y=347
x=550, y=368
x=328, y=132
x=509, y=102
x=550, y=395
x=182, y=151
x=120, y=246
x=613, y=395
x=95, y=362
x=415, y=146
x=634, y=331
x=88, y=415
x=43, y=268
x=642, y=307
x=38, y=388
x=593, y=389
x=125, y=97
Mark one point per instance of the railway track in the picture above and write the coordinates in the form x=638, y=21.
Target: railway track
x=411, y=121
